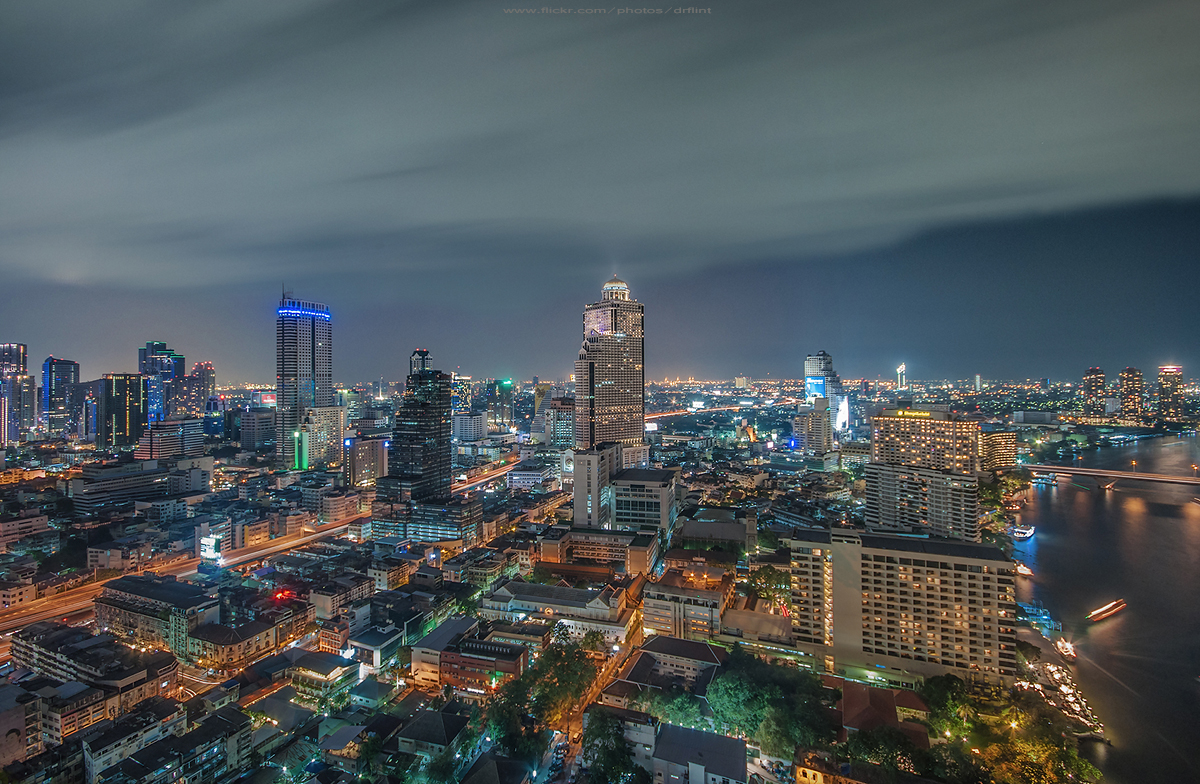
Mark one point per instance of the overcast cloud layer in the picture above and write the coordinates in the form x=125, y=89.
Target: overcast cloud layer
x=450, y=175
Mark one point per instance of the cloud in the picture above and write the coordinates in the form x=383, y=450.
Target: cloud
x=162, y=147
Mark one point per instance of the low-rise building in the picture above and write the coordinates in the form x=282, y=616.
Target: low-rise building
x=155, y=610
x=152, y=721
x=629, y=551
x=687, y=603
x=580, y=610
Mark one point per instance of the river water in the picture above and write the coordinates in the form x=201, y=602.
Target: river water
x=1140, y=542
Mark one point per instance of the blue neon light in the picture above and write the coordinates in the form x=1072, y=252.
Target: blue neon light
x=303, y=312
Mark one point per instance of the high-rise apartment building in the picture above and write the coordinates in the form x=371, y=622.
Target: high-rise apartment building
x=303, y=369
x=171, y=438
x=1170, y=392
x=812, y=428
x=466, y=426
x=58, y=375
x=610, y=371
x=122, y=410
x=922, y=475
x=1092, y=392
x=558, y=414
x=896, y=610
x=1132, y=393
x=320, y=443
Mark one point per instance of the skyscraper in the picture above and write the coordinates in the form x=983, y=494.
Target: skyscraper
x=418, y=361
x=157, y=359
x=1170, y=392
x=610, y=371
x=122, y=410
x=812, y=428
x=57, y=377
x=460, y=394
x=206, y=379
x=501, y=409
x=419, y=457
x=1092, y=392
x=14, y=359
x=303, y=369
x=1132, y=390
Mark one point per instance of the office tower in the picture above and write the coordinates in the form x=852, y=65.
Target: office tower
x=171, y=438
x=997, y=449
x=206, y=379
x=57, y=377
x=559, y=418
x=593, y=491
x=1092, y=392
x=122, y=410
x=460, y=393
x=419, y=361
x=214, y=416
x=258, y=428
x=14, y=359
x=902, y=376
x=419, y=458
x=21, y=415
x=1132, y=391
x=303, y=369
x=820, y=380
x=366, y=461
x=157, y=359
x=812, y=428
x=501, y=410
x=978, y=383
x=468, y=427
x=1170, y=392
x=922, y=475
x=900, y=609
x=741, y=382
x=610, y=372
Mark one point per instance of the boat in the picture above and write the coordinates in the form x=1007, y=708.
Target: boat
x=1024, y=570
x=1108, y=610
x=1065, y=648
x=1022, y=533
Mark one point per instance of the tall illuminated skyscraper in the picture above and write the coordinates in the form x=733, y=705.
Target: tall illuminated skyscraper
x=610, y=374
x=58, y=376
x=122, y=409
x=1092, y=391
x=419, y=456
x=14, y=359
x=303, y=369
x=206, y=379
x=1132, y=391
x=1170, y=392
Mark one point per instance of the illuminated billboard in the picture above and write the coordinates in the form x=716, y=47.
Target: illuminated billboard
x=814, y=386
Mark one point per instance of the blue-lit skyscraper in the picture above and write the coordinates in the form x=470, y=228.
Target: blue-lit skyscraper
x=160, y=365
x=58, y=375
x=303, y=369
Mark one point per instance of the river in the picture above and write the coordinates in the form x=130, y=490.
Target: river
x=1139, y=542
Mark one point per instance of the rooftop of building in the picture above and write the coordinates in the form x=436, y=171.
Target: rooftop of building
x=719, y=754
x=160, y=589
x=495, y=769
x=551, y=594
x=947, y=547
x=434, y=727
x=446, y=633
x=219, y=634
x=377, y=637
x=649, y=476
x=686, y=649
x=323, y=663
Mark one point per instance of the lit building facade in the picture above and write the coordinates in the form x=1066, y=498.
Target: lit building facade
x=812, y=428
x=925, y=439
x=1170, y=392
x=58, y=375
x=1092, y=392
x=997, y=449
x=123, y=410
x=303, y=369
x=1132, y=393
x=610, y=371
x=896, y=610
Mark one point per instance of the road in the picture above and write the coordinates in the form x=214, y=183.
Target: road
x=482, y=479
x=81, y=599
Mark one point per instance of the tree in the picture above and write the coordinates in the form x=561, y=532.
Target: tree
x=946, y=696
x=541, y=574
x=605, y=749
x=772, y=584
x=887, y=747
x=593, y=641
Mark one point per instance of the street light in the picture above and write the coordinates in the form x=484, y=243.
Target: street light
x=1134, y=466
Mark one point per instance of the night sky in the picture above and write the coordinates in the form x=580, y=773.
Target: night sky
x=1004, y=188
